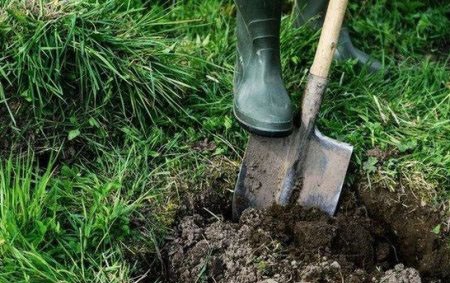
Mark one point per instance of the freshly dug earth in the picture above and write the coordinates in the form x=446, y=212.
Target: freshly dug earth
x=283, y=245
x=414, y=229
x=304, y=245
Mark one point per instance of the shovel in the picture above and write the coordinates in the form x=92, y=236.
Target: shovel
x=305, y=167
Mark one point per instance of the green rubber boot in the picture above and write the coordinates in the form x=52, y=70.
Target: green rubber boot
x=305, y=10
x=261, y=103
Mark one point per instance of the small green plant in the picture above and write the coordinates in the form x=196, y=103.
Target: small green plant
x=262, y=266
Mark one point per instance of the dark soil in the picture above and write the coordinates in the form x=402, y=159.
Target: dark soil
x=376, y=236
x=281, y=245
x=363, y=243
x=412, y=227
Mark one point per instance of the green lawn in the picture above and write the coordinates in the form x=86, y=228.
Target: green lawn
x=105, y=107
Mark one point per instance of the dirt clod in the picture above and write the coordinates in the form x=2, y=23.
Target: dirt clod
x=400, y=274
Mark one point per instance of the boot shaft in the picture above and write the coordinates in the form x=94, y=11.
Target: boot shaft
x=260, y=21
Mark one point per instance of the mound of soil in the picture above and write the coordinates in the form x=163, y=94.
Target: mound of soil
x=284, y=245
x=375, y=234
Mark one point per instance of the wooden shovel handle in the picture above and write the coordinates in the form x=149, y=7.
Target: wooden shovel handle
x=329, y=38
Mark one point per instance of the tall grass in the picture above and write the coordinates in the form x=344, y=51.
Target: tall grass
x=67, y=224
x=90, y=59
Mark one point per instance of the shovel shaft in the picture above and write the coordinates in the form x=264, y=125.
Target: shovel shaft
x=312, y=99
x=317, y=79
x=329, y=37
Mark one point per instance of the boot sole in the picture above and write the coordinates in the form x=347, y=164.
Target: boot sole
x=271, y=130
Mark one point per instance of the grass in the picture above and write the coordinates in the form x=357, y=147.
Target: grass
x=112, y=110
x=81, y=61
x=70, y=225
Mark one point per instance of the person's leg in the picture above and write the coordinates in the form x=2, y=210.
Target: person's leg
x=261, y=102
x=306, y=10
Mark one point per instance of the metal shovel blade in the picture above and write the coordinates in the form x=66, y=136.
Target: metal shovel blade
x=268, y=176
x=324, y=172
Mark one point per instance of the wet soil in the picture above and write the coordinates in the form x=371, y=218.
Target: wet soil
x=375, y=237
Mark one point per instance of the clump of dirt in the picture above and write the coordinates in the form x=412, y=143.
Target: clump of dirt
x=284, y=245
x=400, y=274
